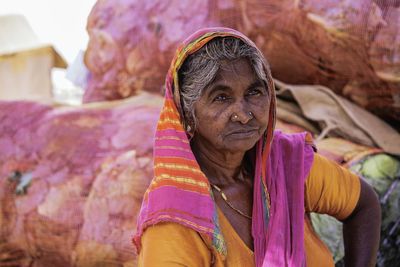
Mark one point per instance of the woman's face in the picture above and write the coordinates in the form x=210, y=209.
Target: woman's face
x=223, y=111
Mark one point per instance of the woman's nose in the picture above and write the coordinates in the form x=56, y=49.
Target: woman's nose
x=241, y=114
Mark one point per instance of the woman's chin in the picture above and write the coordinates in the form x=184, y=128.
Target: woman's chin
x=240, y=145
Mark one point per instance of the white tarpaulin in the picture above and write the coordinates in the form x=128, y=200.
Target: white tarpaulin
x=25, y=62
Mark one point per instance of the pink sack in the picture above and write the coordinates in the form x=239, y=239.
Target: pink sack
x=351, y=47
x=72, y=180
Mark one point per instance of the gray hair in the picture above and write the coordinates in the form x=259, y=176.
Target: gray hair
x=200, y=69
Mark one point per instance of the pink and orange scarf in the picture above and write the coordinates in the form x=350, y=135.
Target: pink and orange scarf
x=181, y=193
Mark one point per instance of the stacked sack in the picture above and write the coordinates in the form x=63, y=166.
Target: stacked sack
x=72, y=180
x=351, y=47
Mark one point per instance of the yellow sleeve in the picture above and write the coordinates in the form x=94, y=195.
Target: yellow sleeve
x=171, y=244
x=331, y=189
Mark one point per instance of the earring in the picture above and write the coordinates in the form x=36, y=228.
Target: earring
x=189, y=132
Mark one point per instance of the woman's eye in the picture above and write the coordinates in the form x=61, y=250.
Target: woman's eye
x=221, y=98
x=254, y=92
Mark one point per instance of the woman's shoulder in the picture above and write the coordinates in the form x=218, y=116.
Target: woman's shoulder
x=171, y=230
x=168, y=242
x=331, y=188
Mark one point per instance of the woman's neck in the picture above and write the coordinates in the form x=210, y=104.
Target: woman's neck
x=220, y=167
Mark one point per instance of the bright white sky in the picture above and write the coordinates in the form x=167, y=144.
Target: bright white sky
x=59, y=22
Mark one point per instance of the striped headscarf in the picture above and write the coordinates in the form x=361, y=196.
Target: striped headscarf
x=179, y=191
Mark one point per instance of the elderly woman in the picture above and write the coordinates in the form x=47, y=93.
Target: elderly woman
x=227, y=189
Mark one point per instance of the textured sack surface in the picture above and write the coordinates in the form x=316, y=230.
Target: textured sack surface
x=72, y=179
x=351, y=47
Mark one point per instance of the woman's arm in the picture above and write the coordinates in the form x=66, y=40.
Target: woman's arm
x=334, y=190
x=361, y=230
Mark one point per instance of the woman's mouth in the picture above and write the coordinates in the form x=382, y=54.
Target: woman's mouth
x=243, y=133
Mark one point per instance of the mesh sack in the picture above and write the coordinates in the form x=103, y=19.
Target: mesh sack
x=351, y=47
x=72, y=180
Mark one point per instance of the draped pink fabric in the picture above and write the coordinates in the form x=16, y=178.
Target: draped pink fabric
x=288, y=166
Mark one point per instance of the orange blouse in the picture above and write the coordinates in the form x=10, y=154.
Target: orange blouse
x=329, y=189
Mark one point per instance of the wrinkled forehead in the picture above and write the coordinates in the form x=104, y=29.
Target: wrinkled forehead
x=240, y=68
